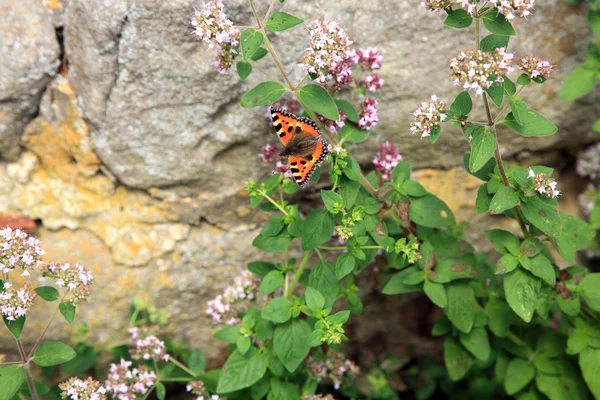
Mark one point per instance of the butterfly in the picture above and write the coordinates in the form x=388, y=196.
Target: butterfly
x=303, y=142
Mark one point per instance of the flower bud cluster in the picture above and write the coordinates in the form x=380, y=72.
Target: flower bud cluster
x=478, y=70
x=212, y=27
x=427, y=116
x=79, y=389
x=73, y=277
x=369, y=114
x=145, y=345
x=126, y=383
x=334, y=367
x=14, y=302
x=221, y=310
x=386, y=159
x=19, y=250
x=197, y=388
x=543, y=184
x=535, y=66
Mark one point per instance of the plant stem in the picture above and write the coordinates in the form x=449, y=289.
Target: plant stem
x=27, y=371
x=477, y=33
x=266, y=196
x=39, y=339
x=5, y=364
x=514, y=338
x=345, y=248
x=255, y=15
x=286, y=285
x=268, y=75
x=268, y=14
x=506, y=105
x=277, y=62
x=149, y=392
x=183, y=367
x=299, y=271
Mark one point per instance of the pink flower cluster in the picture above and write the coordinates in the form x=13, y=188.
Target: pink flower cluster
x=74, y=277
x=79, y=389
x=126, y=383
x=506, y=7
x=588, y=162
x=386, y=159
x=221, y=310
x=427, y=116
x=145, y=345
x=18, y=249
x=334, y=126
x=14, y=303
x=369, y=114
x=373, y=83
x=369, y=58
x=472, y=68
x=509, y=7
x=329, y=55
x=543, y=184
x=212, y=27
x=333, y=366
x=270, y=154
x=535, y=66
x=197, y=388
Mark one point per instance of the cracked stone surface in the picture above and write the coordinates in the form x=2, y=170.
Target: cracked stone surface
x=153, y=100
x=28, y=60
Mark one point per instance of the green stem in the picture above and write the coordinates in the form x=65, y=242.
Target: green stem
x=266, y=196
x=5, y=364
x=477, y=31
x=27, y=371
x=506, y=105
x=183, y=367
x=268, y=75
x=286, y=285
x=149, y=392
x=276, y=60
x=336, y=248
x=514, y=338
x=39, y=339
x=255, y=15
x=299, y=272
x=268, y=14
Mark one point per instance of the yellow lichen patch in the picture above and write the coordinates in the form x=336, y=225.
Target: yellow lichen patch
x=455, y=187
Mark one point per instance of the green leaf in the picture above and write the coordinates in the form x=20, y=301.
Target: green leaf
x=352, y=170
x=458, y=361
x=483, y=201
x=322, y=278
x=485, y=173
x=259, y=54
x=243, y=344
x=496, y=93
x=270, y=283
x=482, y=148
x=290, y=342
x=396, y=284
x=462, y=104
x=229, y=334
x=588, y=288
x=519, y=111
x=477, y=342
x=241, y=370
x=509, y=87
x=67, y=310
x=518, y=375
x=431, y=212
x=280, y=390
x=274, y=226
x=499, y=313
x=504, y=241
x=318, y=229
x=535, y=124
x=414, y=189
x=281, y=21
x=594, y=21
x=521, y=290
x=571, y=305
x=458, y=19
x=462, y=305
x=278, y=310
x=506, y=264
x=85, y=359
x=542, y=215
x=436, y=293
x=15, y=327
x=348, y=109
x=197, y=362
x=53, y=353
x=273, y=244
x=531, y=247
x=317, y=99
x=504, y=199
x=589, y=362
x=47, y=293
x=492, y=42
x=251, y=40
x=344, y=265
x=11, y=378
x=498, y=24
x=523, y=80
x=314, y=300
x=596, y=126
x=264, y=94
x=575, y=235
x=161, y=391
x=578, y=83
x=539, y=266
x=352, y=133
x=330, y=198
x=243, y=69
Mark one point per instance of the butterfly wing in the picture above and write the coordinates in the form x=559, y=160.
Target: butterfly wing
x=304, y=143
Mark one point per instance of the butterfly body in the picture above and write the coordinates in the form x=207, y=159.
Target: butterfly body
x=303, y=142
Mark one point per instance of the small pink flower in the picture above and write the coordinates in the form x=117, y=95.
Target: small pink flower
x=534, y=66
x=145, y=345
x=369, y=114
x=543, y=184
x=79, y=389
x=472, y=69
x=373, y=82
x=269, y=153
x=335, y=367
x=427, y=116
x=14, y=303
x=19, y=250
x=74, y=277
x=369, y=58
x=125, y=383
x=221, y=309
x=386, y=159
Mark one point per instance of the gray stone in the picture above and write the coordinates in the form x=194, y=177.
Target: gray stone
x=161, y=117
x=28, y=59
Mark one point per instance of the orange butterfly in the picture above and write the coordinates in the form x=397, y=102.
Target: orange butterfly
x=303, y=142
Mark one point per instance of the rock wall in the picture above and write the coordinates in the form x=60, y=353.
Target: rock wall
x=135, y=157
